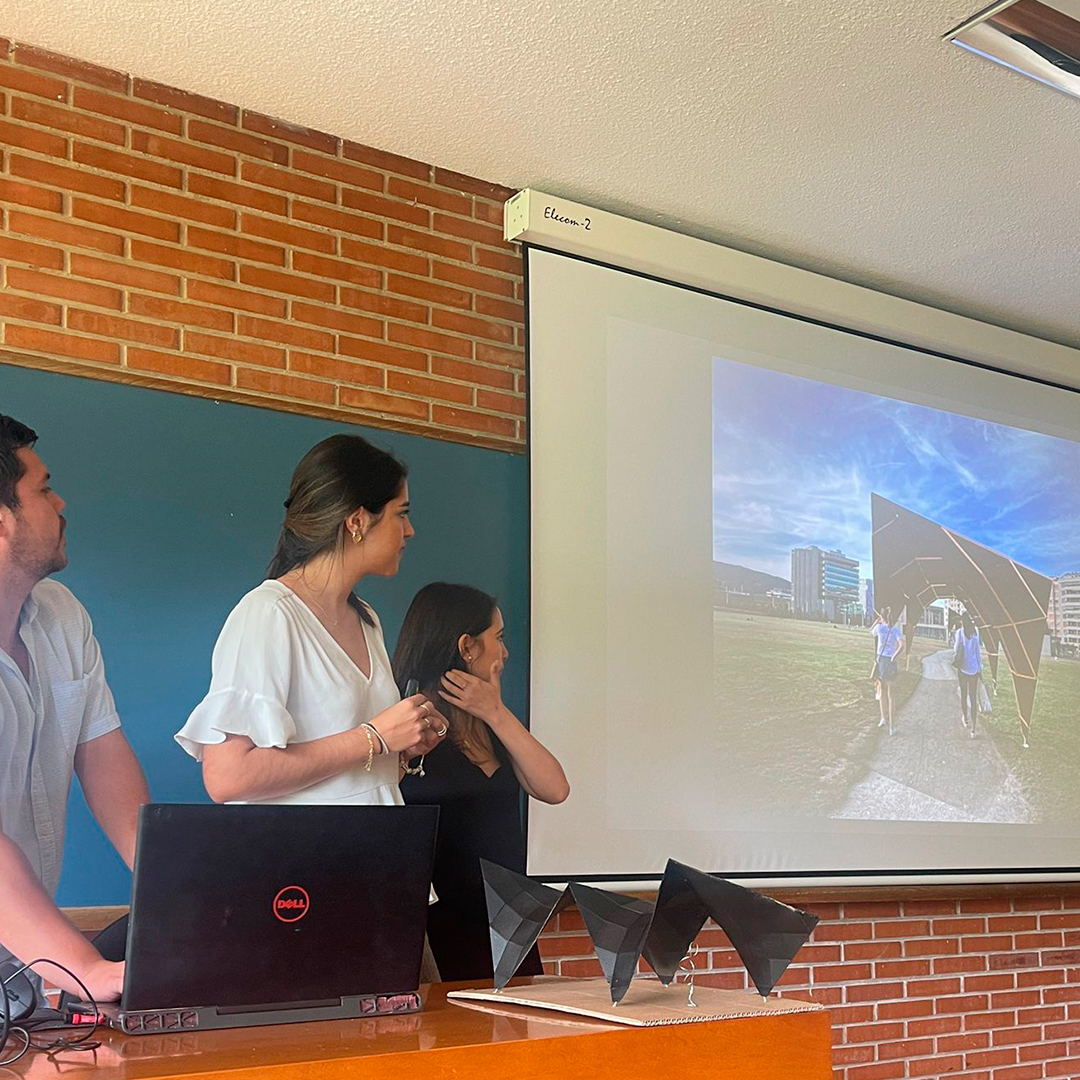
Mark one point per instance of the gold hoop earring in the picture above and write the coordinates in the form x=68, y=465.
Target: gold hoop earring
x=357, y=536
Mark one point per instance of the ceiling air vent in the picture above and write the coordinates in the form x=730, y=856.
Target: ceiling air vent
x=1040, y=40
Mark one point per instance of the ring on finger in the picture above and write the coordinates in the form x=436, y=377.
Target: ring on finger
x=441, y=731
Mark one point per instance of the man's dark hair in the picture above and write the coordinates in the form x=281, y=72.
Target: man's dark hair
x=13, y=436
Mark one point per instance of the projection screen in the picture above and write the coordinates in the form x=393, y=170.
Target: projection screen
x=724, y=499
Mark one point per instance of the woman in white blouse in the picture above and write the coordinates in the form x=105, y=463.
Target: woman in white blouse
x=302, y=706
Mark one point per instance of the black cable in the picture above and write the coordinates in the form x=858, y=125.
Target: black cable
x=83, y=1042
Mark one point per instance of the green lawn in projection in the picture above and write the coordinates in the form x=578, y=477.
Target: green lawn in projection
x=1047, y=771
x=799, y=721
x=797, y=707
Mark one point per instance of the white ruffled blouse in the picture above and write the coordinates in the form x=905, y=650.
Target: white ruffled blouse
x=278, y=677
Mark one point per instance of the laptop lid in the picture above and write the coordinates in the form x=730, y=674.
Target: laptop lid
x=241, y=906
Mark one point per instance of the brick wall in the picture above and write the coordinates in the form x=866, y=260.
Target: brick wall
x=151, y=235
x=154, y=236
x=984, y=988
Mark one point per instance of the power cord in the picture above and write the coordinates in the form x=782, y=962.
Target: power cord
x=85, y=1041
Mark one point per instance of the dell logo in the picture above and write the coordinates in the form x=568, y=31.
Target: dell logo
x=291, y=903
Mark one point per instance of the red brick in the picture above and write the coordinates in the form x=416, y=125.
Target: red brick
x=474, y=421
x=29, y=82
x=380, y=159
x=284, y=180
x=989, y=982
x=271, y=382
x=901, y=969
x=1057, y=921
x=426, y=339
x=428, y=388
x=29, y=309
x=64, y=119
x=238, y=247
x=495, y=192
x=965, y=1003
x=495, y=354
x=179, y=259
x=436, y=245
x=322, y=266
x=429, y=196
x=68, y=179
x=1039, y=978
x=1048, y=939
x=198, y=157
x=172, y=98
x=884, y=1070
x=953, y=965
x=1014, y=960
x=342, y=371
x=243, y=299
x=507, y=262
x=474, y=373
x=11, y=191
x=901, y=928
x=992, y=1057
x=294, y=133
x=112, y=326
x=227, y=191
x=140, y=167
x=341, y=171
x=1043, y=1051
x=850, y=1055
x=69, y=68
x=472, y=279
x=1019, y=1072
x=239, y=142
x=183, y=367
x=380, y=304
x=470, y=230
x=492, y=213
x=177, y=311
x=168, y=202
x=905, y=1048
x=931, y=946
x=289, y=235
x=58, y=344
x=500, y=309
x=64, y=232
x=983, y=1020
x=996, y=924
x=872, y=909
x=873, y=1032
x=380, y=353
x=473, y=327
x=428, y=290
x=987, y=943
x=977, y=1040
x=1037, y=903
x=383, y=403
x=378, y=255
x=124, y=274
x=231, y=348
x=335, y=319
x=984, y=906
x=122, y=108
x=485, y=399
x=28, y=138
x=337, y=220
x=125, y=221
x=66, y=288
x=22, y=251
x=1051, y=994
x=294, y=284
x=937, y=1066
x=378, y=206
x=1053, y=957
x=1044, y=1014
x=285, y=333
x=1070, y=1030
x=929, y=907
x=1012, y=1036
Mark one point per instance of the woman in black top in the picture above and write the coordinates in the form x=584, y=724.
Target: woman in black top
x=451, y=643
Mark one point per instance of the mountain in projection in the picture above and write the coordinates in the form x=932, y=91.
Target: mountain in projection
x=743, y=579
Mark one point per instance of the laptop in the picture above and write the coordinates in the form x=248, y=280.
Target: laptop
x=248, y=915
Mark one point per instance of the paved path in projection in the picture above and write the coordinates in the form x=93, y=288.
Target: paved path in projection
x=930, y=769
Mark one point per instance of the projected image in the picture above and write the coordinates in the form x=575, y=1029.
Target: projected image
x=896, y=606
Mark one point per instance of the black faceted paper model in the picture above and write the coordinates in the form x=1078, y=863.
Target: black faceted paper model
x=765, y=933
x=518, y=910
x=617, y=925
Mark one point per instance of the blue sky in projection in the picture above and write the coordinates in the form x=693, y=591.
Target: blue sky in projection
x=795, y=461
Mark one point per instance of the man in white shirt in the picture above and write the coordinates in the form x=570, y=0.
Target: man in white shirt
x=57, y=718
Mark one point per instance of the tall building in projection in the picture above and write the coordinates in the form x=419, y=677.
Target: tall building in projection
x=1063, y=618
x=824, y=584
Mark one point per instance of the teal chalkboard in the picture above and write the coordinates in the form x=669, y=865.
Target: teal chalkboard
x=174, y=504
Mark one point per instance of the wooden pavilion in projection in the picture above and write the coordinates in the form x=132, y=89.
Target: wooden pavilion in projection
x=918, y=561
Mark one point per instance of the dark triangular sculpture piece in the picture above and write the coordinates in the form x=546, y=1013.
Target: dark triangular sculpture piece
x=518, y=909
x=765, y=933
x=617, y=925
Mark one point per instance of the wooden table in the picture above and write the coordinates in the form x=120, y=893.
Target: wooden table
x=451, y=1041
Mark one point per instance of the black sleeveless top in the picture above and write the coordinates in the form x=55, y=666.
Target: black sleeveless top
x=479, y=818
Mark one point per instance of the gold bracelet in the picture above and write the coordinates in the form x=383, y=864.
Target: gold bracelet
x=370, y=748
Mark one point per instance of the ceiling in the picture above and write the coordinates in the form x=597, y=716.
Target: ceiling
x=841, y=136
